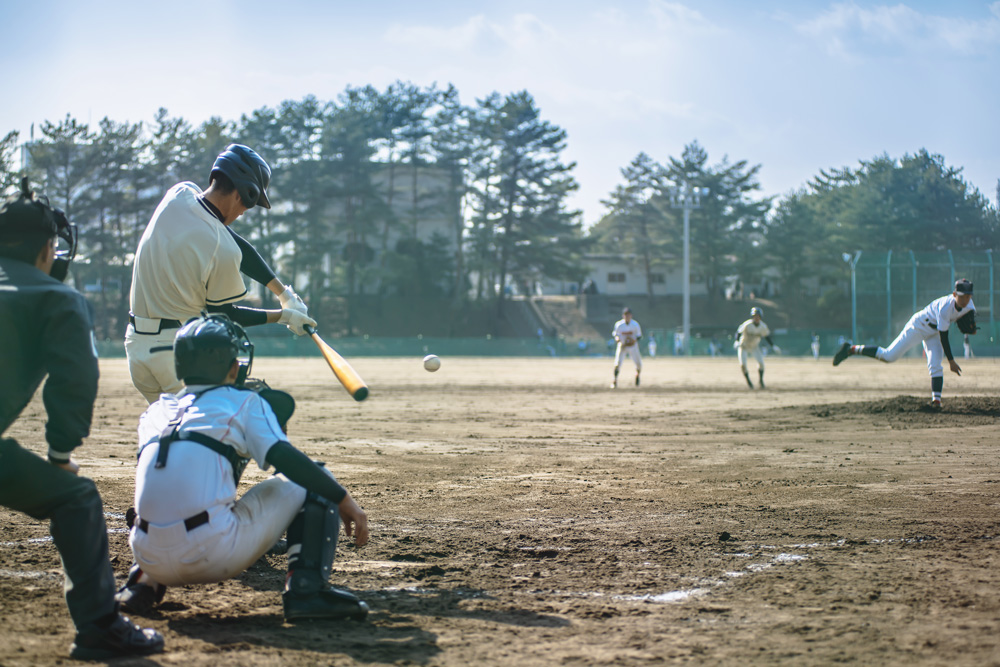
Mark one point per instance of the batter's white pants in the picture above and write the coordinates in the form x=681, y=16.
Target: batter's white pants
x=916, y=331
x=744, y=355
x=232, y=540
x=633, y=352
x=151, y=363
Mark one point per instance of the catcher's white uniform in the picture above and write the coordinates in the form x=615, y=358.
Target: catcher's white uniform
x=925, y=326
x=173, y=548
x=627, y=334
x=748, y=342
x=186, y=260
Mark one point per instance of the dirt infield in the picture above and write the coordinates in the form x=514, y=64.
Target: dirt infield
x=526, y=514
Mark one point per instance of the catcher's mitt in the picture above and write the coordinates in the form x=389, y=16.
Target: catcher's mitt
x=280, y=401
x=967, y=323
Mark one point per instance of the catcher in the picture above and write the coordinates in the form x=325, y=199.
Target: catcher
x=929, y=326
x=193, y=447
x=627, y=333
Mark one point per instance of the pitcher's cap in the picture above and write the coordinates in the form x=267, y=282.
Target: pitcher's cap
x=963, y=286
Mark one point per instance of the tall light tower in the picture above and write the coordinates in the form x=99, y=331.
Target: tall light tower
x=687, y=198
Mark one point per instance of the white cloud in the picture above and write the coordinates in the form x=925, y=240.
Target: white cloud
x=850, y=31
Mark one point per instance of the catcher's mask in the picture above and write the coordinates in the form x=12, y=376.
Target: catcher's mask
x=248, y=172
x=206, y=347
x=28, y=220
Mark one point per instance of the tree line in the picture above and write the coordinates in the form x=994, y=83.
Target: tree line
x=350, y=179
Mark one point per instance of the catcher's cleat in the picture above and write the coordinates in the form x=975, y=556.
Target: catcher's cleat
x=328, y=603
x=136, y=598
x=119, y=639
x=842, y=353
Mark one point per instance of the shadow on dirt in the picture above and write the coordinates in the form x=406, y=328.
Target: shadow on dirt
x=390, y=635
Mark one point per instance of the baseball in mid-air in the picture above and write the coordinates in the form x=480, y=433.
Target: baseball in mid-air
x=432, y=363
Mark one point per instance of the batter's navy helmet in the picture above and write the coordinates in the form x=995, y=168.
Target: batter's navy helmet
x=206, y=347
x=248, y=172
x=756, y=311
x=27, y=217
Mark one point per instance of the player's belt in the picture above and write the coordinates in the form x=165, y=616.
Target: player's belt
x=190, y=523
x=150, y=326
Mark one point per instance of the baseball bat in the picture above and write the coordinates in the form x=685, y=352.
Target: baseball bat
x=348, y=377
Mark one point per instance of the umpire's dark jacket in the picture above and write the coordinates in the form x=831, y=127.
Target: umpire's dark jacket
x=46, y=328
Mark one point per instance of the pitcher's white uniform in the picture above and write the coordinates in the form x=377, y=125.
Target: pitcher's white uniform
x=748, y=342
x=925, y=326
x=627, y=331
x=186, y=260
x=196, y=479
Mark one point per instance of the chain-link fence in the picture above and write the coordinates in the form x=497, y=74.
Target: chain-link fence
x=888, y=287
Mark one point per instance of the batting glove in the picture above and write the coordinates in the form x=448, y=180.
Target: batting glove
x=295, y=320
x=289, y=299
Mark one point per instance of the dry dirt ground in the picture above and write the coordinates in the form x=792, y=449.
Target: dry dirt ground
x=523, y=513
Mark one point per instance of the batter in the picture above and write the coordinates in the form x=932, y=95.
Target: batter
x=189, y=260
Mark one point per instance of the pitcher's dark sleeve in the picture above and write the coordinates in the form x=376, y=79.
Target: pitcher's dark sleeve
x=252, y=265
x=71, y=363
x=946, y=344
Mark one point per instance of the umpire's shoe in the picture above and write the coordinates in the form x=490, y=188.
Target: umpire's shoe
x=120, y=639
x=842, y=353
x=326, y=603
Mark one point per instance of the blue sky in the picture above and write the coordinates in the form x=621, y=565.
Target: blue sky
x=795, y=86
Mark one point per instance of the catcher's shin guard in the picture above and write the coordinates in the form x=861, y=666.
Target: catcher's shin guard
x=312, y=545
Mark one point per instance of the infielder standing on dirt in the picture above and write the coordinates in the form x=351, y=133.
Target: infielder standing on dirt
x=189, y=260
x=627, y=333
x=929, y=326
x=193, y=447
x=748, y=337
x=46, y=329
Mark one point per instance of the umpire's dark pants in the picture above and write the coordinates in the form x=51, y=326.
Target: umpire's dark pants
x=30, y=484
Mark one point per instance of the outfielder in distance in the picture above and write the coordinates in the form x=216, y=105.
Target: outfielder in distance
x=46, y=329
x=929, y=326
x=627, y=333
x=747, y=342
x=193, y=447
x=189, y=259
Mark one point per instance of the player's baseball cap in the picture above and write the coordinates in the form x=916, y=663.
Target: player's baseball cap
x=963, y=286
x=626, y=309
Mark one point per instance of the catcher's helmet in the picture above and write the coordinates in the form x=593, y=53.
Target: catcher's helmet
x=206, y=347
x=756, y=311
x=26, y=217
x=248, y=172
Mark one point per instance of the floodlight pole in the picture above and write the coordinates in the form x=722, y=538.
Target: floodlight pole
x=686, y=198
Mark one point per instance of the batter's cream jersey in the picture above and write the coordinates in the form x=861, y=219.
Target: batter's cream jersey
x=623, y=328
x=186, y=260
x=196, y=478
x=750, y=334
x=940, y=313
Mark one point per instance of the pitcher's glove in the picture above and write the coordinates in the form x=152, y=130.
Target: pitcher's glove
x=628, y=341
x=967, y=323
x=280, y=401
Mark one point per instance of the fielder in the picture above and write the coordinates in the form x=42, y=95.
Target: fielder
x=46, y=329
x=627, y=333
x=930, y=327
x=747, y=342
x=190, y=527
x=190, y=260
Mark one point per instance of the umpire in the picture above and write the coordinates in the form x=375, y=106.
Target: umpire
x=46, y=329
